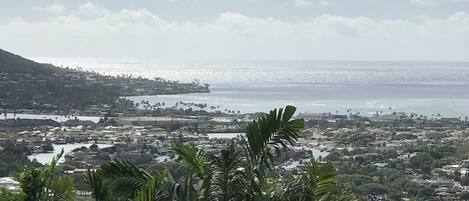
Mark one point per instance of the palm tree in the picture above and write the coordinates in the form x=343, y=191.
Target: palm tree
x=315, y=183
x=274, y=131
x=122, y=177
x=227, y=174
x=244, y=170
x=96, y=181
x=40, y=184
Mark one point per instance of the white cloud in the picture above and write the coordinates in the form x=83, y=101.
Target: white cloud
x=91, y=30
x=304, y=3
x=424, y=2
x=435, y=2
x=326, y=3
x=54, y=8
x=90, y=9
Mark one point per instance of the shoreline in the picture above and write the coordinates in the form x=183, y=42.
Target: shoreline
x=251, y=103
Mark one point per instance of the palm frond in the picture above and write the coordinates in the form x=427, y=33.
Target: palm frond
x=40, y=184
x=95, y=180
x=124, y=177
x=315, y=183
x=149, y=191
x=191, y=157
x=227, y=178
x=50, y=168
x=276, y=131
x=61, y=188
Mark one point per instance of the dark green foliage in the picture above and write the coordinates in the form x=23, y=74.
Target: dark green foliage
x=6, y=195
x=124, y=177
x=464, y=196
x=95, y=180
x=373, y=189
x=425, y=193
x=243, y=171
x=227, y=178
x=32, y=184
x=17, y=125
x=27, y=84
x=274, y=131
x=314, y=184
x=39, y=184
x=240, y=173
x=354, y=179
x=404, y=136
x=465, y=180
x=422, y=161
x=13, y=158
x=191, y=158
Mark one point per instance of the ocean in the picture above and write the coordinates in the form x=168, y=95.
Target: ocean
x=364, y=87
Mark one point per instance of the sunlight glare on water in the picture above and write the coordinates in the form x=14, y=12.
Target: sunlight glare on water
x=314, y=86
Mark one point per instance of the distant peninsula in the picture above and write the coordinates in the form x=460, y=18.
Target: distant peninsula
x=25, y=84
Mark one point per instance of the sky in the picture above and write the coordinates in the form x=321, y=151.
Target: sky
x=429, y=30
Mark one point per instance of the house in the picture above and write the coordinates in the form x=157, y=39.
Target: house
x=314, y=116
x=10, y=184
x=450, y=120
x=380, y=166
x=389, y=117
x=449, y=169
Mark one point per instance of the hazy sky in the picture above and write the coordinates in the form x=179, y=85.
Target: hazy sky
x=238, y=29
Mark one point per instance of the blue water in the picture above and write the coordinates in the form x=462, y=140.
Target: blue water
x=313, y=86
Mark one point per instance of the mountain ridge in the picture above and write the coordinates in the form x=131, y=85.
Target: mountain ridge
x=26, y=84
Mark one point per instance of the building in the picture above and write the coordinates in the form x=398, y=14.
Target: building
x=10, y=184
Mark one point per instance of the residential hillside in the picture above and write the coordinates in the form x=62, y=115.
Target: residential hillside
x=25, y=84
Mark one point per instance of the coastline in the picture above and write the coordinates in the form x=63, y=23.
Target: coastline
x=248, y=102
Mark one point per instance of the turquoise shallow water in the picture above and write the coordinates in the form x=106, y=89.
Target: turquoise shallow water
x=447, y=107
x=314, y=86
